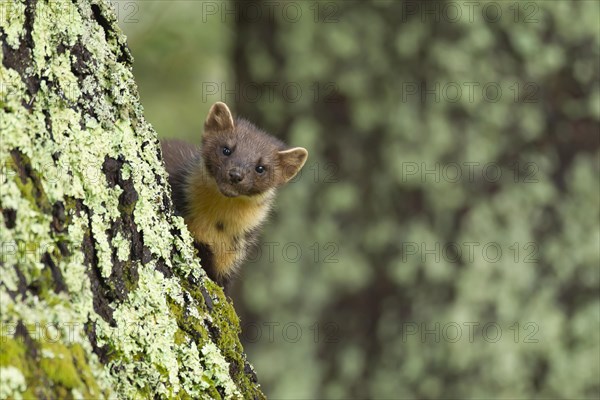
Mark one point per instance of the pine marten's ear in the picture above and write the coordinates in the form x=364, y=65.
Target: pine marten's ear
x=219, y=118
x=291, y=162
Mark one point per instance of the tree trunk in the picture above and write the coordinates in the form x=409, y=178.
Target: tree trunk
x=101, y=293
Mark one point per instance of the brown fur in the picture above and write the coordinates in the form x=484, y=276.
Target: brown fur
x=223, y=198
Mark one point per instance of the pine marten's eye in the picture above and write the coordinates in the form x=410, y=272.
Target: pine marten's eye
x=226, y=151
x=260, y=169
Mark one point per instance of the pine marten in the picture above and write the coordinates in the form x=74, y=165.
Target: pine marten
x=225, y=189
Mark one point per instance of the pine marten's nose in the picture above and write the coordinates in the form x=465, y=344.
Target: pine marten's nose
x=236, y=175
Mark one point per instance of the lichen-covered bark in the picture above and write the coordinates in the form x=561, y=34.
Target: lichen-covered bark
x=101, y=294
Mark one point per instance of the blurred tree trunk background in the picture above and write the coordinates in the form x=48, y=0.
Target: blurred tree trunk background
x=453, y=180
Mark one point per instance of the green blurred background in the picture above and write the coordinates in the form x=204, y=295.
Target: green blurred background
x=443, y=239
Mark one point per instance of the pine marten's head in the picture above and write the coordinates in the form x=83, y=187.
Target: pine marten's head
x=244, y=160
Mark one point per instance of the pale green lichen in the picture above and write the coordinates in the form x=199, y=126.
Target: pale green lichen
x=11, y=89
x=190, y=366
x=12, y=383
x=126, y=172
x=218, y=370
x=148, y=349
x=103, y=249
x=12, y=18
x=143, y=329
x=52, y=19
x=122, y=246
x=60, y=70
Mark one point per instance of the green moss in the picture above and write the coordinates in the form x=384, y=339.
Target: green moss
x=180, y=337
x=85, y=372
x=13, y=354
x=184, y=395
x=186, y=322
x=57, y=364
x=65, y=367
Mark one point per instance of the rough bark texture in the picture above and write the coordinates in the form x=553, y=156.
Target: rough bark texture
x=101, y=294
